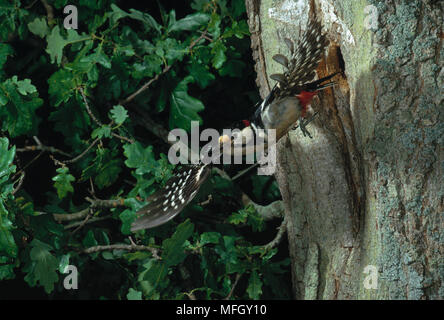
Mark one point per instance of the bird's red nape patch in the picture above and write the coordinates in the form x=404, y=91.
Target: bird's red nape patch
x=305, y=98
x=246, y=123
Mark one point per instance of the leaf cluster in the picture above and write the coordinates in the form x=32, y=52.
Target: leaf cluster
x=78, y=116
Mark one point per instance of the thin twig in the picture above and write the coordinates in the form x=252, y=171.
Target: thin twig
x=83, y=222
x=240, y=174
x=99, y=203
x=238, y=276
x=27, y=165
x=186, y=277
x=206, y=202
x=80, y=226
x=59, y=217
x=132, y=241
x=80, y=156
x=202, y=36
x=49, y=11
x=165, y=70
x=31, y=5
x=128, y=247
x=41, y=147
x=95, y=203
x=278, y=238
x=92, y=191
x=147, y=122
x=205, y=35
x=122, y=137
x=88, y=108
x=97, y=121
x=83, y=153
x=145, y=86
x=17, y=188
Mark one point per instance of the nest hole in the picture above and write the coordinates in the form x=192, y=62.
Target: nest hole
x=340, y=59
x=335, y=63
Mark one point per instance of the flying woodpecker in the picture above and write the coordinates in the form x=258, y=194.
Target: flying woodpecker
x=280, y=110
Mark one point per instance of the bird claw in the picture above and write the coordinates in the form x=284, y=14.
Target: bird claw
x=303, y=125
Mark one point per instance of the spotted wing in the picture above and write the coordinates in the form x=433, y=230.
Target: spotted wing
x=169, y=201
x=305, y=56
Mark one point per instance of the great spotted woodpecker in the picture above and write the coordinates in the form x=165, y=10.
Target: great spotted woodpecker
x=286, y=103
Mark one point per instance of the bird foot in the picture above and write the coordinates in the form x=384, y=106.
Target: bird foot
x=303, y=125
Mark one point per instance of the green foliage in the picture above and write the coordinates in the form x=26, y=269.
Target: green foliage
x=119, y=114
x=8, y=247
x=56, y=42
x=39, y=27
x=5, y=52
x=247, y=216
x=18, y=102
x=43, y=266
x=254, y=289
x=12, y=19
x=62, y=182
x=172, y=254
x=134, y=294
x=184, y=108
x=73, y=106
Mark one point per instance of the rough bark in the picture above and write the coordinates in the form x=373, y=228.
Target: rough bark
x=368, y=189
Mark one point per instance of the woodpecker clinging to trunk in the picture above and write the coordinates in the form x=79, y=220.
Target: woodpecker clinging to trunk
x=286, y=103
x=289, y=99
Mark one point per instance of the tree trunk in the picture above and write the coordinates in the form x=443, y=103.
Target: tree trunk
x=363, y=198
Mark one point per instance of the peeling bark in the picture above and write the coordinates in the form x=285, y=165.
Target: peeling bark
x=367, y=190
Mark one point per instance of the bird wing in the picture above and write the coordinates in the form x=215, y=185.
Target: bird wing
x=304, y=58
x=169, y=201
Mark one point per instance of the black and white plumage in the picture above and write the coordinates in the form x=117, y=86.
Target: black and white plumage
x=169, y=201
x=286, y=103
x=304, y=58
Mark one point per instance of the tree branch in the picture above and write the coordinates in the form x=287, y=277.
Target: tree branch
x=49, y=11
x=95, y=203
x=202, y=36
x=60, y=217
x=269, y=212
x=278, y=238
x=99, y=203
x=20, y=183
x=80, y=156
x=87, y=220
x=42, y=147
x=165, y=70
x=148, y=123
x=238, y=276
x=127, y=247
x=27, y=165
x=97, y=121
x=82, y=223
x=145, y=86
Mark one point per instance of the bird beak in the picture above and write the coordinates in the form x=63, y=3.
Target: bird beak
x=224, y=139
x=325, y=86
